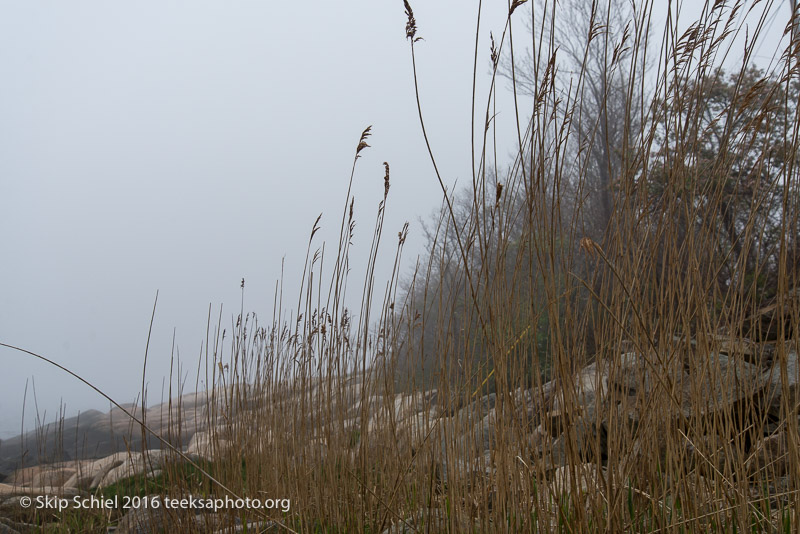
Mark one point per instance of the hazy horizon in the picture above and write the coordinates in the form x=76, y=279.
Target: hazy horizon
x=175, y=149
x=180, y=149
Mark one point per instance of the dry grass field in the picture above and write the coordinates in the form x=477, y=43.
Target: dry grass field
x=602, y=335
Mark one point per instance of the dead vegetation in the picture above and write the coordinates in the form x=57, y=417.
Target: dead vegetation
x=602, y=336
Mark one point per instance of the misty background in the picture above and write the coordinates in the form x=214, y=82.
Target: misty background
x=183, y=146
x=179, y=147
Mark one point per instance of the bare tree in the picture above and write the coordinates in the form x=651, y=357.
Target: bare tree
x=592, y=45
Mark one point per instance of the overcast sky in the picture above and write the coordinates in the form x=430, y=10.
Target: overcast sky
x=183, y=146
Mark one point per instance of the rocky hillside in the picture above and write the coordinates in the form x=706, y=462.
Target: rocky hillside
x=93, y=434
x=720, y=413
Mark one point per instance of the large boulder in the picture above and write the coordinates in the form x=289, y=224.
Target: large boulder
x=206, y=444
x=8, y=490
x=709, y=384
x=583, y=392
x=45, y=475
x=135, y=464
x=723, y=381
x=777, y=392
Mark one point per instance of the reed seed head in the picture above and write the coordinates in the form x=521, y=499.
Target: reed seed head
x=386, y=180
x=411, y=25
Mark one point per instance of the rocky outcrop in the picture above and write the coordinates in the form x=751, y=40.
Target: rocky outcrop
x=75, y=476
x=93, y=434
x=714, y=402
